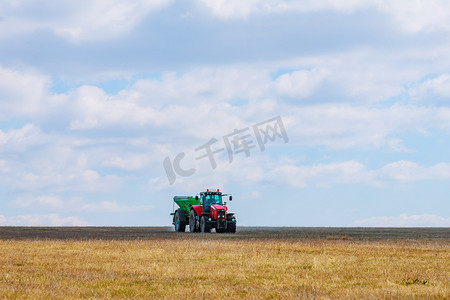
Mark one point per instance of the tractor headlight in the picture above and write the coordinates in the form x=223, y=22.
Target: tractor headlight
x=209, y=219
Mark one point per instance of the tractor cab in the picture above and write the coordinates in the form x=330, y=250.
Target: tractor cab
x=209, y=198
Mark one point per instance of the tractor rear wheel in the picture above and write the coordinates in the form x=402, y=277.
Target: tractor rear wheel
x=192, y=222
x=180, y=226
x=204, y=226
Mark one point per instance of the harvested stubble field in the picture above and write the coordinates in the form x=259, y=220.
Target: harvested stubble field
x=258, y=263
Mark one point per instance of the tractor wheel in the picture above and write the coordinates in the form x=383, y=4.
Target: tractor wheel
x=221, y=230
x=179, y=225
x=204, y=227
x=231, y=228
x=192, y=223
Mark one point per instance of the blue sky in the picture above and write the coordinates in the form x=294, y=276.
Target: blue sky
x=94, y=95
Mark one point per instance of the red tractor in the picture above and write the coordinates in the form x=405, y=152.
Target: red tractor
x=204, y=212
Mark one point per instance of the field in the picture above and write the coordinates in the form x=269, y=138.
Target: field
x=258, y=263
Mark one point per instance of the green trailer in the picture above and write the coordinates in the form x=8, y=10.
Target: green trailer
x=181, y=214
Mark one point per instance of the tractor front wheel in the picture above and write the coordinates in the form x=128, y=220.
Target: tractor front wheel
x=231, y=228
x=192, y=222
x=204, y=226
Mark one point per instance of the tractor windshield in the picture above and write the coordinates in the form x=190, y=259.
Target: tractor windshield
x=213, y=199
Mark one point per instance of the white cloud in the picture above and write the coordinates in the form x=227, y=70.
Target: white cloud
x=369, y=79
x=404, y=220
x=53, y=202
x=265, y=171
x=41, y=220
x=95, y=108
x=131, y=162
x=260, y=169
x=407, y=171
x=58, y=179
x=199, y=84
x=243, y=92
x=412, y=16
x=187, y=106
x=21, y=139
x=4, y=166
x=36, y=160
x=75, y=204
x=353, y=127
x=110, y=206
x=242, y=9
x=300, y=84
x=21, y=93
x=77, y=21
x=320, y=175
x=437, y=87
x=63, y=161
x=168, y=103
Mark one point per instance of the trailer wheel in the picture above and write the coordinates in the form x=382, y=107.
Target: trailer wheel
x=204, y=226
x=180, y=226
x=192, y=222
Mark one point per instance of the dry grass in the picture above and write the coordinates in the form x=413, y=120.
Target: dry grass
x=197, y=267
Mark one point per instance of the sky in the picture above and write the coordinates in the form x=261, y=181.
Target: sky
x=310, y=113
